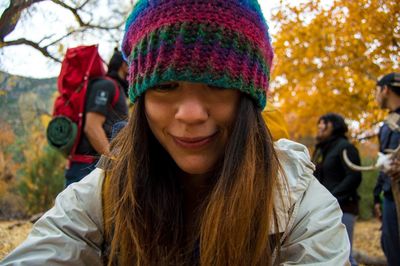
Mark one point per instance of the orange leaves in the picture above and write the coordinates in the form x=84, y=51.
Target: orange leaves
x=8, y=167
x=7, y=136
x=328, y=58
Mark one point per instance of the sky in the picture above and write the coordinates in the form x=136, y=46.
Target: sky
x=25, y=61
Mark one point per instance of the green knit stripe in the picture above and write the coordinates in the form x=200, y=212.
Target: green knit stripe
x=224, y=81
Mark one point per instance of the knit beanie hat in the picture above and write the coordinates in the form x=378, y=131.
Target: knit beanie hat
x=222, y=43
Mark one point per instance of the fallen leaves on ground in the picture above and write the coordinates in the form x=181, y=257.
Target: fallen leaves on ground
x=10, y=238
x=367, y=237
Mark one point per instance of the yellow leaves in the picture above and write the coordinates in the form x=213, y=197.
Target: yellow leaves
x=45, y=120
x=8, y=167
x=329, y=57
x=61, y=48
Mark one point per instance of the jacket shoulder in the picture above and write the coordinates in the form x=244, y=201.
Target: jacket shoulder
x=344, y=143
x=296, y=163
x=295, y=176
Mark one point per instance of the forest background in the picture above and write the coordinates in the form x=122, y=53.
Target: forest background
x=328, y=56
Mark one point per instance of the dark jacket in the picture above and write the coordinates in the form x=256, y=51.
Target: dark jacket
x=335, y=175
x=388, y=139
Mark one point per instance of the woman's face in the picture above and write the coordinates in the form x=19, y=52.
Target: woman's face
x=192, y=121
x=325, y=129
x=381, y=96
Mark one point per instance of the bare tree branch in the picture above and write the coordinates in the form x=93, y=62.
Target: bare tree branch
x=74, y=11
x=79, y=19
x=35, y=45
x=83, y=4
x=11, y=16
x=65, y=36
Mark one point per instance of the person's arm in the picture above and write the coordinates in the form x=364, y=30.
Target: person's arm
x=317, y=236
x=71, y=233
x=378, y=187
x=377, y=192
x=95, y=133
x=352, y=179
x=383, y=136
x=100, y=95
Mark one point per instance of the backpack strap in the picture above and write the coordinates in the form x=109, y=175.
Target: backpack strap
x=116, y=91
x=81, y=158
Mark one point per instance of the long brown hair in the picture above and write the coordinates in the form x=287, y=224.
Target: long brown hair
x=235, y=219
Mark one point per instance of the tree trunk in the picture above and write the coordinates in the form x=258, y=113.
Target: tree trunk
x=11, y=16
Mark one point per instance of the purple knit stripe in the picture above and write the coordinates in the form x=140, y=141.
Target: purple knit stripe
x=254, y=13
x=206, y=14
x=199, y=59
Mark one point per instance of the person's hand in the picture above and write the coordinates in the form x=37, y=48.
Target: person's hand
x=377, y=211
x=394, y=171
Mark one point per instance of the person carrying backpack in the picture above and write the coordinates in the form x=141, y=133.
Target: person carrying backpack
x=99, y=116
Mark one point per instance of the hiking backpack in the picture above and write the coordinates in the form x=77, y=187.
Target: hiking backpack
x=80, y=65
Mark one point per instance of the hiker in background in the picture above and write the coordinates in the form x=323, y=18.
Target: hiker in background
x=332, y=171
x=118, y=70
x=99, y=117
x=194, y=177
x=388, y=97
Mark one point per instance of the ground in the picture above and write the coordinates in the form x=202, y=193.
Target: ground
x=366, y=238
x=10, y=238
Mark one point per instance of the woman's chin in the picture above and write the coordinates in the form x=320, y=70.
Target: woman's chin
x=195, y=171
x=195, y=168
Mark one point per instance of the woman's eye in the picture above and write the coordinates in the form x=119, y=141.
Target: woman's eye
x=165, y=87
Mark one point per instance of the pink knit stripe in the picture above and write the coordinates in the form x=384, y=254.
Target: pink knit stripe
x=226, y=18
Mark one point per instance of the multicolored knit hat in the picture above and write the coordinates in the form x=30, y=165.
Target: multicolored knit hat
x=223, y=43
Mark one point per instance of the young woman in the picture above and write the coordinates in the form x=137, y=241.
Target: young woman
x=332, y=171
x=196, y=178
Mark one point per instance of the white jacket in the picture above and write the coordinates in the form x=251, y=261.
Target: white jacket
x=71, y=233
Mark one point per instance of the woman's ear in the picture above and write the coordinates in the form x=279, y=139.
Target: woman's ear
x=385, y=90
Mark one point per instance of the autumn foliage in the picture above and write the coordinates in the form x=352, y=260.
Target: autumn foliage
x=9, y=202
x=31, y=173
x=328, y=58
x=42, y=173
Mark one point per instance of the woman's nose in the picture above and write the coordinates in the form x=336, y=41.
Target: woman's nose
x=192, y=110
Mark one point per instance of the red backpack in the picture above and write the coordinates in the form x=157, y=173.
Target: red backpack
x=80, y=65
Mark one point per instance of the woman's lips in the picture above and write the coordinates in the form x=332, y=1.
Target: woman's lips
x=194, y=143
